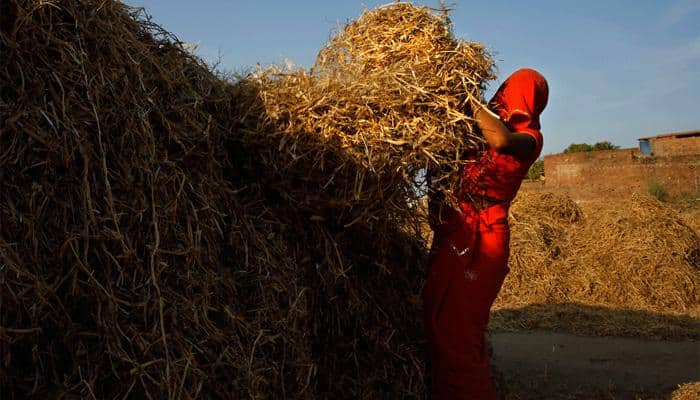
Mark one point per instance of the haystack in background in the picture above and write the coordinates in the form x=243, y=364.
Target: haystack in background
x=688, y=391
x=167, y=233
x=628, y=255
x=645, y=242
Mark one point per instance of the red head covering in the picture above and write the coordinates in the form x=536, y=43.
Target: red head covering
x=521, y=99
x=519, y=102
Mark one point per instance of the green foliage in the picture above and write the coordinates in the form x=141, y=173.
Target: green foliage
x=604, y=146
x=583, y=147
x=656, y=188
x=536, y=170
x=578, y=148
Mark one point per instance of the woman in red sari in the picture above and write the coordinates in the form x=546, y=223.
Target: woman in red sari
x=470, y=248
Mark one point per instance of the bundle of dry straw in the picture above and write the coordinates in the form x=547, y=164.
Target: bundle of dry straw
x=166, y=233
x=390, y=96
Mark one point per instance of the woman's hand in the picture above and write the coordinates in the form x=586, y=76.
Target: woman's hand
x=499, y=137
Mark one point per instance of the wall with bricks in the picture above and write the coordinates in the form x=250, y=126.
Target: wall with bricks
x=671, y=146
x=618, y=173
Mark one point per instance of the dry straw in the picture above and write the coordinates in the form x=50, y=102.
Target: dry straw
x=606, y=257
x=388, y=97
x=688, y=391
x=121, y=240
x=166, y=233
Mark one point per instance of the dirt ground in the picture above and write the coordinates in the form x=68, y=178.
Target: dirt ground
x=547, y=365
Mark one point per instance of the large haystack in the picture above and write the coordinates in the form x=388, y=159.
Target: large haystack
x=165, y=233
x=130, y=263
x=628, y=255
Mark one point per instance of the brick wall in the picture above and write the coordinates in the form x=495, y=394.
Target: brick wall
x=670, y=146
x=618, y=173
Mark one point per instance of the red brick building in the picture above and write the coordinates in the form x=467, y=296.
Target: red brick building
x=671, y=144
x=670, y=161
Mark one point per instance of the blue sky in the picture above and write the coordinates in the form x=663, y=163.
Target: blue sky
x=617, y=70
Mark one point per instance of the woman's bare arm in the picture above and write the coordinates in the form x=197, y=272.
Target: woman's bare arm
x=500, y=138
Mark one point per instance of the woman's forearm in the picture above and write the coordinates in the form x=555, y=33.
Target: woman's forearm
x=495, y=132
x=499, y=137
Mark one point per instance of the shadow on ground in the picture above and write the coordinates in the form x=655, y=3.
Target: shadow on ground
x=571, y=351
x=581, y=319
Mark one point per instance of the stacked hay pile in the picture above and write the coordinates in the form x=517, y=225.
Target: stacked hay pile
x=130, y=264
x=166, y=233
x=634, y=254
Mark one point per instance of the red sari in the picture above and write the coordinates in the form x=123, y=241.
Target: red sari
x=470, y=251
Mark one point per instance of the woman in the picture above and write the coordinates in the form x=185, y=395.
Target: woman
x=470, y=248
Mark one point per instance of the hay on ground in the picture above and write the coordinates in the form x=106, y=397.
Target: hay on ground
x=629, y=255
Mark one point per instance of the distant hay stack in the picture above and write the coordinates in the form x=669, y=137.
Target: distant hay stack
x=641, y=253
x=635, y=254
